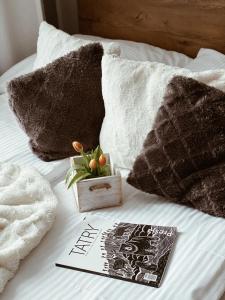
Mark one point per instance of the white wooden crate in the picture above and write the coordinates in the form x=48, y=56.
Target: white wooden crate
x=98, y=192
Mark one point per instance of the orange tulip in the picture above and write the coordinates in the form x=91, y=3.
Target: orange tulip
x=77, y=146
x=93, y=164
x=102, y=160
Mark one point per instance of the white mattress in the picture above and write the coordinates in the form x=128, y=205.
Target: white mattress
x=197, y=267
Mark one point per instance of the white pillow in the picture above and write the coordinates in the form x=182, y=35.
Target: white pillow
x=53, y=43
x=207, y=59
x=144, y=52
x=133, y=92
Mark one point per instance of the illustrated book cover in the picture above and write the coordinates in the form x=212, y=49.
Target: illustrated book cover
x=134, y=252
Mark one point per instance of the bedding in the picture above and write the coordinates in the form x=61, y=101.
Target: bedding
x=197, y=267
x=127, y=84
x=170, y=164
x=207, y=59
x=27, y=212
x=196, y=270
x=14, y=144
x=143, y=52
x=52, y=39
x=23, y=67
x=53, y=43
x=55, y=104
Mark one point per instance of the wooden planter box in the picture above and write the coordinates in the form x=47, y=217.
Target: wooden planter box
x=98, y=192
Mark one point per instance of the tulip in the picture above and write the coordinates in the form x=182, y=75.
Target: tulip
x=93, y=164
x=77, y=146
x=102, y=160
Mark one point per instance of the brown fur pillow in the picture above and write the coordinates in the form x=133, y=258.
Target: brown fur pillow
x=61, y=102
x=183, y=157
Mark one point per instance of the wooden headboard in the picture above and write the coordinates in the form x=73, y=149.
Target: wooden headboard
x=181, y=25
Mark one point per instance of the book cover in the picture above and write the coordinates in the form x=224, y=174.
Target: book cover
x=126, y=251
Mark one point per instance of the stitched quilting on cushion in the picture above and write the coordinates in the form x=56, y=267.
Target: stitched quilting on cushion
x=183, y=157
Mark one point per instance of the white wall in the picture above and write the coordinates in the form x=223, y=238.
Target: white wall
x=19, y=23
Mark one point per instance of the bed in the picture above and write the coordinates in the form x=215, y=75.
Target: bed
x=197, y=266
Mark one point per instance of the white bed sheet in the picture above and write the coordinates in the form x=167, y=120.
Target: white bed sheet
x=23, y=67
x=197, y=267
x=196, y=270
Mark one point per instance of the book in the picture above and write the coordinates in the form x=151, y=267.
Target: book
x=134, y=252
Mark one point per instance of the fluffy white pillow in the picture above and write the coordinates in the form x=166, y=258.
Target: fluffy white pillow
x=133, y=92
x=53, y=43
x=207, y=59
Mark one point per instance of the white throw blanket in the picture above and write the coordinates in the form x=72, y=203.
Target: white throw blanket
x=27, y=211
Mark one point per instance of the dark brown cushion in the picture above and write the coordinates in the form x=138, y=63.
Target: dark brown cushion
x=61, y=102
x=183, y=157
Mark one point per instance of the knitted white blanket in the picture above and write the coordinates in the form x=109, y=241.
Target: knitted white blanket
x=27, y=211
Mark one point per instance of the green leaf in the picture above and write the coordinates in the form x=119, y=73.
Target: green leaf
x=78, y=177
x=105, y=170
x=97, y=153
x=87, y=159
x=77, y=166
x=68, y=174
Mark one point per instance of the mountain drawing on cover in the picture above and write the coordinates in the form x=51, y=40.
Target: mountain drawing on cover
x=132, y=252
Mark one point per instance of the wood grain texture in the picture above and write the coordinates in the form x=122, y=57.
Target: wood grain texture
x=180, y=25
